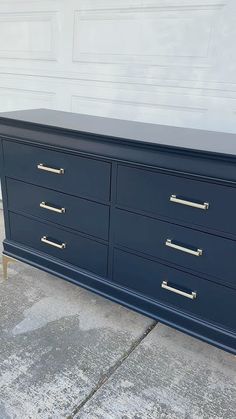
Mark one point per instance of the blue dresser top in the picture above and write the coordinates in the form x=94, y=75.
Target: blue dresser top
x=123, y=130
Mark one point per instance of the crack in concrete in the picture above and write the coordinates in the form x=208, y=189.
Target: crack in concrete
x=112, y=370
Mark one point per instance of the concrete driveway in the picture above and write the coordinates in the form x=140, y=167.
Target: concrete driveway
x=68, y=353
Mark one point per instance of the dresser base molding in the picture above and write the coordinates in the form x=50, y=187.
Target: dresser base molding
x=207, y=332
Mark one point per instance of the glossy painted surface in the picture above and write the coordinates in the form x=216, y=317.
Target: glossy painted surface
x=150, y=192
x=145, y=277
x=186, y=161
x=83, y=177
x=149, y=236
x=79, y=251
x=80, y=214
x=118, y=191
x=191, y=139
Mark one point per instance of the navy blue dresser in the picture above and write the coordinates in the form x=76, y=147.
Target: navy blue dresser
x=142, y=214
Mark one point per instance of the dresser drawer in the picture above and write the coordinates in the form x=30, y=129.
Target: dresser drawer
x=214, y=303
x=195, y=202
x=74, y=175
x=72, y=248
x=79, y=214
x=184, y=247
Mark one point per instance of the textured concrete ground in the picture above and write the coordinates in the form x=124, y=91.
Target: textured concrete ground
x=67, y=353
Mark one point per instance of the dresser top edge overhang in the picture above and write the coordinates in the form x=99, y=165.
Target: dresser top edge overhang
x=131, y=132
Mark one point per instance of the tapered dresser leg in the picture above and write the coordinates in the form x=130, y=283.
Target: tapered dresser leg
x=5, y=260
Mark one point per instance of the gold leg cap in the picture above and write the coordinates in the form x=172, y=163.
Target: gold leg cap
x=5, y=260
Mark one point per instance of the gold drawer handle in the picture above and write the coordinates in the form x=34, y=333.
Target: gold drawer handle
x=41, y=166
x=204, y=206
x=44, y=239
x=197, y=252
x=50, y=208
x=167, y=287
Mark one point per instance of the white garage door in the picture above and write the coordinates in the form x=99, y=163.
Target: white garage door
x=161, y=61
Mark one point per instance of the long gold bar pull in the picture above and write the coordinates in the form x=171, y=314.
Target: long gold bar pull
x=197, y=252
x=41, y=166
x=204, y=206
x=167, y=287
x=44, y=205
x=45, y=240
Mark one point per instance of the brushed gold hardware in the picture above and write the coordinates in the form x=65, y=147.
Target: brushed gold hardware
x=204, y=206
x=167, y=287
x=197, y=252
x=44, y=205
x=45, y=240
x=5, y=260
x=41, y=166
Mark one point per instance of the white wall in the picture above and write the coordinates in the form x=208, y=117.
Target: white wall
x=163, y=61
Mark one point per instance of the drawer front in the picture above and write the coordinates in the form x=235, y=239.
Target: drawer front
x=80, y=176
x=79, y=214
x=213, y=302
x=72, y=248
x=150, y=236
x=178, y=198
